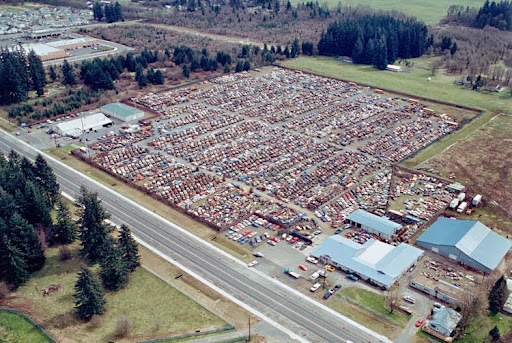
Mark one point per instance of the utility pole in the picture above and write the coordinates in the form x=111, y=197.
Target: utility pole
x=249, y=339
x=83, y=134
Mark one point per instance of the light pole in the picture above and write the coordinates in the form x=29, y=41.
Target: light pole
x=83, y=134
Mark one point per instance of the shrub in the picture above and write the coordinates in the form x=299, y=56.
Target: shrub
x=4, y=290
x=124, y=326
x=64, y=253
x=96, y=321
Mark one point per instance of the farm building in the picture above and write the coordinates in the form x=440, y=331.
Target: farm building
x=392, y=67
x=379, y=263
x=466, y=241
x=380, y=226
x=122, y=112
x=444, y=321
x=74, y=127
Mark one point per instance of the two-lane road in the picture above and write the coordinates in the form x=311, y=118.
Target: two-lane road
x=300, y=317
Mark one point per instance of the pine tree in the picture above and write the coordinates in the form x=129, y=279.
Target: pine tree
x=94, y=234
x=141, y=79
x=53, y=74
x=37, y=73
x=47, y=180
x=358, y=52
x=97, y=11
x=185, y=71
x=37, y=210
x=129, y=249
x=25, y=238
x=67, y=74
x=498, y=295
x=65, y=230
x=88, y=294
x=114, y=271
x=295, y=48
x=118, y=16
x=495, y=333
x=13, y=269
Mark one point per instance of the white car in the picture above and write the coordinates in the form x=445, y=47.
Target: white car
x=315, y=287
x=252, y=264
x=271, y=242
x=409, y=299
x=258, y=254
x=312, y=260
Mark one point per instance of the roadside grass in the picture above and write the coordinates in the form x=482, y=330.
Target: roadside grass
x=441, y=86
x=431, y=12
x=7, y=126
x=156, y=309
x=15, y=328
x=147, y=201
x=376, y=303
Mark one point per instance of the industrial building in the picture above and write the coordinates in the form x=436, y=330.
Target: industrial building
x=437, y=288
x=122, y=112
x=466, y=241
x=379, y=263
x=44, y=51
x=75, y=127
x=380, y=226
x=75, y=43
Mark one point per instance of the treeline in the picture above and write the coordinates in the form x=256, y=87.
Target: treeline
x=20, y=73
x=28, y=193
x=374, y=39
x=494, y=14
x=111, y=12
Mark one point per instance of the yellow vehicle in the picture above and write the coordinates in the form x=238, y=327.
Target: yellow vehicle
x=330, y=268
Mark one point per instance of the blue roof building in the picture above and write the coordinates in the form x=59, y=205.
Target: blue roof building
x=122, y=111
x=466, y=241
x=380, y=226
x=379, y=263
x=444, y=321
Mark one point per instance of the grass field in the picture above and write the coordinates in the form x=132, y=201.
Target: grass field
x=156, y=309
x=429, y=12
x=441, y=86
x=167, y=212
x=15, y=328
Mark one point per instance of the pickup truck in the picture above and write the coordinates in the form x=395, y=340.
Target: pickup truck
x=292, y=274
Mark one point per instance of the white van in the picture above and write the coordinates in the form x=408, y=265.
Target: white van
x=315, y=287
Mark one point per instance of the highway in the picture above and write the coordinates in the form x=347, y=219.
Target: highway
x=300, y=317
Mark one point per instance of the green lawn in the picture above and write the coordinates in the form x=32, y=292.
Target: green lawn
x=441, y=86
x=15, y=328
x=156, y=309
x=428, y=11
x=375, y=303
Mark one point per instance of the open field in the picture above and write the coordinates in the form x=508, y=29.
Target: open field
x=441, y=87
x=147, y=300
x=15, y=328
x=428, y=11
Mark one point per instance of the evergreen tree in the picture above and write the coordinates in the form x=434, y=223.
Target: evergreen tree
x=47, y=180
x=498, y=295
x=247, y=65
x=97, y=11
x=286, y=52
x=37, y=73
x=13, y=269
x=140, y=77
x=495, y=334
x=37, y=210
x=129, y=249
x=358, y=52
x=118, y=15
x=94, y=234
x=88, y=295
x=25, y=238
x=295, y=51
x=68, y=75
x=53, y=74
x=380, y=56
x=65, y=230
x=185, y=71
x=114, y=271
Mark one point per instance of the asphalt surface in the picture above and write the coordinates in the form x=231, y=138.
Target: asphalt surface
x=297, y=315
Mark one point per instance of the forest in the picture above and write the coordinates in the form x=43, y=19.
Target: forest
x=374, y=39
x=493, y=14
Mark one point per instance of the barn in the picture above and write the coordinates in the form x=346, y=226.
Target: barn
x=466, y=241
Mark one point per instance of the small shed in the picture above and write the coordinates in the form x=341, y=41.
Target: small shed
x=444, y=321
x=122, y=112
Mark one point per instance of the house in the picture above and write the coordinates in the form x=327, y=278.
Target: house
x=466, y=241
x=444, y=321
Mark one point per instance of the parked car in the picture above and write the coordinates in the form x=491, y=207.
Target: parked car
x=327, y=295
x=337, y=232
x=272, y=243
x=419, y=322
x=329, y=268
x=352, y=277
x=437, y=305
x=311, y=260
x=315, y=287
x=409, y=299
x=252, y=264
x=258, y=254
x=317, y=232
x=303, y=267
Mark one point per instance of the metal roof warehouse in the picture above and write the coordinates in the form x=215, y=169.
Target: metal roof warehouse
x=122, y=112
x=467, y=241
x=74, y=127
x=381, y=226
x=377, y=262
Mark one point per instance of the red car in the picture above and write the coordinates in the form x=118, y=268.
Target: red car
x=419, y=322
x=303, y=267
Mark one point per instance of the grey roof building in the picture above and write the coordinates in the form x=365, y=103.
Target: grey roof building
x=444, y=321
x=380, y=263
x=380, y=226
x=122, y=111
x=466, y=241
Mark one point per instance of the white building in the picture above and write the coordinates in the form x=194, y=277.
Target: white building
x=75, y=127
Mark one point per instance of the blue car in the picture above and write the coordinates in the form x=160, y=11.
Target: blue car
x=352, y=277
x=229, y=233
x=337, y=232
